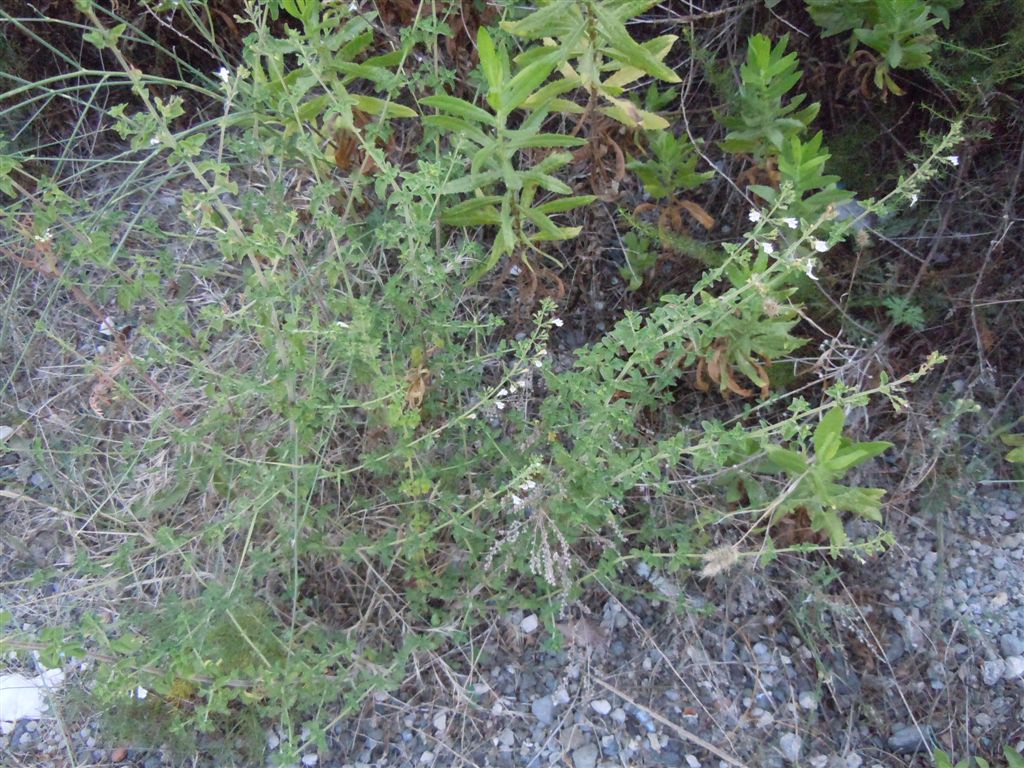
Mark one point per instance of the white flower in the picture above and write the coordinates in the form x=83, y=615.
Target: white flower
x=154, y=141
x=791, y=222
x=516, y=501
x=46, y=237
x=538, y=363
x=754, y=216
x=499, y=405
x=768, y=248
x=107, y=327
x=557, y=321
x=223, y=74
x=819, y=245
x=141, y=693
x=809, y=269
x=913, y=199
x=953, y=160
x=502, y=392
x=529, y=485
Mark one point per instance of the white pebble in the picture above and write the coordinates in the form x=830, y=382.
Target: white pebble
x=529, y=624
x=427, y=757
x=440, y=721
x=309, y=760
x=1014, y=667
x=601, y=706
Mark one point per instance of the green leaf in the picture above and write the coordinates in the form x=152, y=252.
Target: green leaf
x=526, y=82
x=630, y=50
x=854, y=454
x=788, y=461
x=489, y=61
x=371, y=105
x=470, y=183
x=105, y=38
x=1014, y=759
x=459, y=108
x=828, y=434
x=474, y=212
x=563, y=204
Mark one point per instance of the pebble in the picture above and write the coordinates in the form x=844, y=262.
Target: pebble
x=601, y=706
x=585, y=756
x=529, y=624
x=910, y=739
x=1011, y=645
x=992, y=671
x=808, y=701
x=790, y=745
x=310, y=760
x=543, y=709
x=1014, y=667
x=427, y=757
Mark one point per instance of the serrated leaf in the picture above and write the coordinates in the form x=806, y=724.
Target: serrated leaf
x=854, y=454
x=371, y=105
x=563, y=204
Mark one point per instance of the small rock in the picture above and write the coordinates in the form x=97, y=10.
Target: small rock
x=427, y=757
x=808, y=701
x=507, y=738
x=5, y=432
x=910, y=739
x=601, y=706
x=543, y=709
x=693, y=762
x=529, y=624
x=585, y=756
x=619, y=715
x=1011, y=645
x=153, y=761
x=1014, y=667
x=118, y=754
x=310, y=760
x=992, y=671
x=853, y=760
x=818, y=761
x=440, y=721
x=790, y=745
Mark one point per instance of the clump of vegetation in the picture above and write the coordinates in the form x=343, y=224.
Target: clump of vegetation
x=315, y=296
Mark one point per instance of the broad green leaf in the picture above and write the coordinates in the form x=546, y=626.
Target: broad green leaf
x=525, y=83
x=563, y=204
x=828, y=433
x=371, y=105
x=474, y=212
x=489, y=61
x=788, y=461
x=854, y=454
x=459, y=108
x=659, y=48
x=554, y=20
x=470, y=183
x=456, y=126
x=1013, y=758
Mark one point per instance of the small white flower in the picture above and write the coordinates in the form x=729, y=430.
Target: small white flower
x=46, y=237
x=557, y=321
x=913, y=199
x=502, y=392
x=141, y=693
x=499, y=405
x=791, y=222
x=223, y=74
x=529, y=485
x=768, y=248
x=953, y=160
x=538, y=363
x=516, y=501
x=353, y=7
x=819, y=245
x=809, y=269
x=754, y=216
x=107, y=327
x=471, y=415
x=154, y=141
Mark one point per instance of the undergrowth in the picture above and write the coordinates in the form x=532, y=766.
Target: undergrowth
x=304, y=447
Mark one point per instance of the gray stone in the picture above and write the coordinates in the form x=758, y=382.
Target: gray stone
x=1014, y=667
x=910, y=739
x=790, y=745
x=585, y=756
x=1011, y=645
x=992, y=671
x=601, y=706
x=543, y=709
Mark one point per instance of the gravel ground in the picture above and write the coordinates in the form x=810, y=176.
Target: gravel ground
x=922, y=647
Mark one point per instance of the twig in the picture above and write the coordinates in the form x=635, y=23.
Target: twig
x=679, y=730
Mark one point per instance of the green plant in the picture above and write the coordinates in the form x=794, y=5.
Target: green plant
x=493, y=159
x=593, y=34
x=640, y=256
x=672, y=167
x=943, y=760
x=763, y=121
